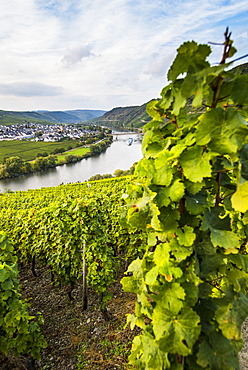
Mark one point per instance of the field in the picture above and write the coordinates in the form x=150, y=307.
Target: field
x=28, y=150
x=76, y=151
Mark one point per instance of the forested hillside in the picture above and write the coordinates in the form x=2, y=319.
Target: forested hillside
x=124, y=117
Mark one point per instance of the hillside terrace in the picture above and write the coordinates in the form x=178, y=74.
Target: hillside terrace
x=39, y=132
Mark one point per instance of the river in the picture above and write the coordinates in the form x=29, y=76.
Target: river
x=118, y=156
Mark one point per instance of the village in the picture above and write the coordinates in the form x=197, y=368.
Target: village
x=48, y=133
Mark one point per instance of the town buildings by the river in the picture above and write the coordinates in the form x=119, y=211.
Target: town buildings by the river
x=39, y=132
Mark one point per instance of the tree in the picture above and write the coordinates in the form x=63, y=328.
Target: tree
x=51, y=160
x=13, y=166
x=3, y=172
x=191, y=196
x=40, y=164
x=70, y=158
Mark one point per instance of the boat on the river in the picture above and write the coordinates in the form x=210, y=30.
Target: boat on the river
x=130, y=141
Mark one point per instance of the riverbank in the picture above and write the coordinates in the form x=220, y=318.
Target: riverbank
x=15, y=166
x=117, y=156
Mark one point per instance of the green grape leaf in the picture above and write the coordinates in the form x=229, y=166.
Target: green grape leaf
x=150, y=144
x=189, y=54
x=194, y=187
x=161, y=254
x=210, y=259
x=131, y=320
x=245, y=218
x=163, y=199
x=179, y=103
x=239, y=93
x=240, y=198
x=145, y=167
x=176, y=191
x=244, y=161
x=155, y=221
x=197, y=203
x=151, y=276
x=232, y=135
x=225, y=239
x=134, y=282
x=179, y=251
x=235, y=277
x=139, y=214
x=169, y=219
x=231, y=316
x=7, y=284
x=232, y=51
x=198, y=98
x=4, y=273
x=152, y=110
x=171, y=298
x=213, y=218
x=207, y=127
x=163, y=172
x=186, y=236
x=173, y=193
x=176, y=334
x=147, y=355
x=167, y=98
x=195, y=164
x=161, y=257
x=152, y=240
x=219, y=354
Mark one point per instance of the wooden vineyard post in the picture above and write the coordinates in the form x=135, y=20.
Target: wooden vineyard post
x=84, y=273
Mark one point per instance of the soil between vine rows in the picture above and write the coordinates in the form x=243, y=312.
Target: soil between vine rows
x=82, y=339
x=76, y=339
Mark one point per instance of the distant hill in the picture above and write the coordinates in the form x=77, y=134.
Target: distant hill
x=86, y=114
x=121, y=117
x=42, y=116
x=242, y=67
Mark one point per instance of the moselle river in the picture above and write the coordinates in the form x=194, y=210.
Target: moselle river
x=118, y=156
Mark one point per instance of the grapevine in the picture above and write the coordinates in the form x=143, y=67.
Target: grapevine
x=191, y=196
x=18, y=331
x=53, y=226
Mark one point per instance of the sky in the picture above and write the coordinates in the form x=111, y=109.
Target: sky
x=101, y=54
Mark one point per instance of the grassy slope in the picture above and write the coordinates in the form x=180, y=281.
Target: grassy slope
x=76, y=151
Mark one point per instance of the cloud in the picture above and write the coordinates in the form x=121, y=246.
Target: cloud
x=76, y=55
x=29, y=89
x=116, y=51
x=60, y=8
x=158, y=65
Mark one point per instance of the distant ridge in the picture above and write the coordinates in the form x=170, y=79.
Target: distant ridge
x=121, y=117
x=44, y=116
x=241, y=67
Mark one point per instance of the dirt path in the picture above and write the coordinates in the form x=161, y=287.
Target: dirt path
x=82, y=339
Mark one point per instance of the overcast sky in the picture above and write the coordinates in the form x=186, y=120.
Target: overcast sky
x=100, y=54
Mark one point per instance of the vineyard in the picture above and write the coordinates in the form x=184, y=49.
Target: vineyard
x=72, y=231
x=177, y=232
